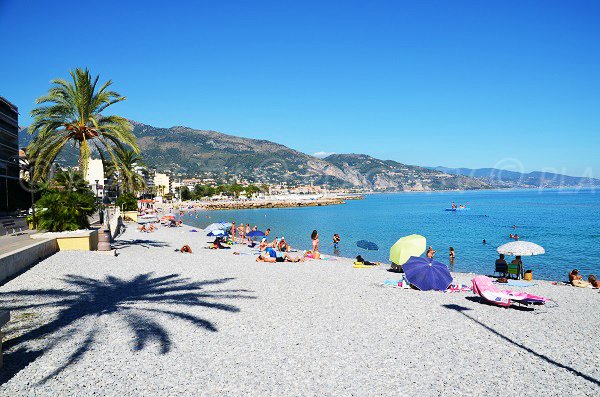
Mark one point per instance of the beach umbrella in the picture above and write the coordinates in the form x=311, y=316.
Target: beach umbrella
x=255, y=233
x=521, y=248
x=407, y=246
x=225, y=224
x=214, y=226
x=427, y=274
x=367, y=245
x=214, y=233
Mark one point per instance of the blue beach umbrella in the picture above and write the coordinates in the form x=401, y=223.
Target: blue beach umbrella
x=367, y=245
x=255, y=233
x=427, y=274
x=216, y=233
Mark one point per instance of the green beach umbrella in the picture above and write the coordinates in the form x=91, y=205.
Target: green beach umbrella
x=404, y=248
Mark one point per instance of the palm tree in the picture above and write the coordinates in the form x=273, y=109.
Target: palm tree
x=71, y=180
x=71, y=112
x=124, y=170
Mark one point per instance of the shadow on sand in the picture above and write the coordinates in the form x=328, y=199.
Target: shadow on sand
x=83, y=300
x=121, y=244
x=462, y=310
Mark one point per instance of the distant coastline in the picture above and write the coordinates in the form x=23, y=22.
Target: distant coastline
x=279, y=202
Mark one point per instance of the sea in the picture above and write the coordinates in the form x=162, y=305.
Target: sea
x=566, y=222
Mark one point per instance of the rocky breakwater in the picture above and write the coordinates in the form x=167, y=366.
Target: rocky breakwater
x=255, y=204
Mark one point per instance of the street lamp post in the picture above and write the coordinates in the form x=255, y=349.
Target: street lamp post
x=97, y=180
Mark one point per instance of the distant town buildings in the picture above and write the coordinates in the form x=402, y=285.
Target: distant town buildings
x=9, y=155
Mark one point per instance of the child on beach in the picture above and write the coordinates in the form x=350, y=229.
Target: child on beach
x=593, y=280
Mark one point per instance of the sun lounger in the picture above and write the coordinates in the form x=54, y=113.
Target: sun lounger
x=487, y=291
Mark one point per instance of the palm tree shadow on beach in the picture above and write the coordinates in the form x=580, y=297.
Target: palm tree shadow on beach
x=136, y=301
x=462, y=310
x=145, y=243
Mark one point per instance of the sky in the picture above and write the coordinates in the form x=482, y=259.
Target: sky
x=508, y=84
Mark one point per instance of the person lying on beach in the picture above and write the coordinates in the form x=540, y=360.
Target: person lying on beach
x=217, y=245
x=284, y=258
x=312, y=255
x=263, y=244
x=360, y=259
x=594, y=282
x=283, y=246
x=185, y=249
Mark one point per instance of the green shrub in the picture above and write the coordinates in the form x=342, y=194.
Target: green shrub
x=65, y=210
x=128, y=202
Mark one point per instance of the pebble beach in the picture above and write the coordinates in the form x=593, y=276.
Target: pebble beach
x=151, y=321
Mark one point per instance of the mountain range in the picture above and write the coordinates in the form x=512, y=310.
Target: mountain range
x=185, y=151
x=505, y=178
x=188, y=152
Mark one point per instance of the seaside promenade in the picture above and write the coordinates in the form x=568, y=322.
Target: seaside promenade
x=151, y=321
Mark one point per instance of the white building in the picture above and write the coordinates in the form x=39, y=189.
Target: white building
x=162, y=182
x=95, y=176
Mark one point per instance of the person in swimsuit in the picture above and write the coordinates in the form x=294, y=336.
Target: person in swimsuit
x=594, y=282
x=452, y=255
x=336, y=241
x=284, y=258
x=185, y=249
x=283, y=246
x=430, y=252
x=315, y=241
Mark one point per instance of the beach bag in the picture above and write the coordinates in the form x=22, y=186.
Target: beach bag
x=528, y=276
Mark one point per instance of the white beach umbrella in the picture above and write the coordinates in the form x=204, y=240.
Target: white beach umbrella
x=521, y=248
x=214, y=226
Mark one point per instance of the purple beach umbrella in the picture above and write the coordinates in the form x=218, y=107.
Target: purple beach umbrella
x=427, y=274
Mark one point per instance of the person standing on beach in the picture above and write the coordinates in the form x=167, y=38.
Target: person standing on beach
x=232, y=231
x=315, y=241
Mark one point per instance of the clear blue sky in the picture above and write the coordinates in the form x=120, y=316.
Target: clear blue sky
x=455, y=83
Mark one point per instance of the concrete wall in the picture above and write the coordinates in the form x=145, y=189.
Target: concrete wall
x=15, y=262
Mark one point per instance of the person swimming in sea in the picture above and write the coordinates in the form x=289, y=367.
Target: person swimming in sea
x=336, y=241
x=430, y=252
x=452, y=255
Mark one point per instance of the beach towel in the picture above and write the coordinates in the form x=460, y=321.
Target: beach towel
x=459, y=288
x=401, y=283
x=519, y=283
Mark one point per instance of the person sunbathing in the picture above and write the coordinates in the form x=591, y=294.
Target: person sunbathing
x=283, y=246
x=312, y=255
x=284, y=258
x=594, y=282
x=574, y=275
x=216, y=245
x=263, y=245
x=186, y=249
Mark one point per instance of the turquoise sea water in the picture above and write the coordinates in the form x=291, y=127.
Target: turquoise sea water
x=565, y=222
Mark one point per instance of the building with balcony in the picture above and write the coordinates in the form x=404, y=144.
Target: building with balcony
x=10, y=189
